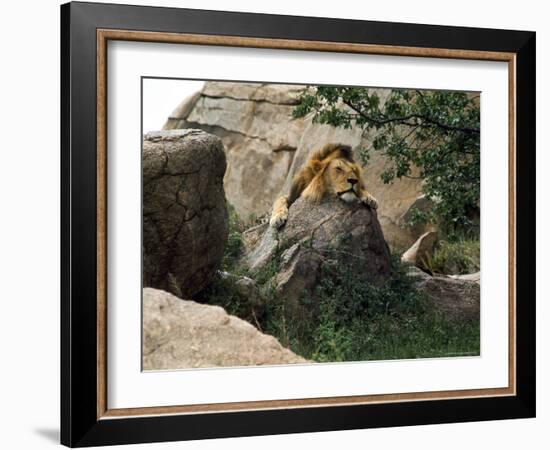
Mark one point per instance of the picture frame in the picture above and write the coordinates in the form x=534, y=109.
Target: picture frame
x=86, y=418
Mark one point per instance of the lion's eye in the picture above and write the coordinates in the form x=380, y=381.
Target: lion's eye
x=339, y=169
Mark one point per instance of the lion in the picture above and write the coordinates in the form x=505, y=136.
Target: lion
x=330, y=171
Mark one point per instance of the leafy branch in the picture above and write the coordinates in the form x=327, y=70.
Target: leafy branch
x=432, y=135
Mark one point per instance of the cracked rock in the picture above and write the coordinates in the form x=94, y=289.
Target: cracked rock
x=185, y=219
x=179, y=334
x=331, y=232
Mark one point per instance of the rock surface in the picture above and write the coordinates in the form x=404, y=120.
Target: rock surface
x=474, y=277
x=179, y=334
x=185, y=219
x=421, y=251
x=456, y=298
x=422, y=204
x=253, y=235
x=247, y=288
x=330, y=231
x=266, y=147
x=299, y=272
x=256, y=126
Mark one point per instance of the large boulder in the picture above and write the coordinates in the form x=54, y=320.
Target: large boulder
x=421, y=251
x=330, y=232
x=258, y=131
x=185, y=219
x=266, y=146
x=456, y=298
x=179, y=334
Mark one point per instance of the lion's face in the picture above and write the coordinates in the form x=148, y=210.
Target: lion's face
x=342, y=178
x=330, y=171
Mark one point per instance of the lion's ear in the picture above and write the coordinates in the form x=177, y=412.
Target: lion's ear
x=345, y=152
x=317, y=166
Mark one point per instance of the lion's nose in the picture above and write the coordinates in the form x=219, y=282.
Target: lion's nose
x=352, y=181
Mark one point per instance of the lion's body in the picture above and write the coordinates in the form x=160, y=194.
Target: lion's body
x=329, y=171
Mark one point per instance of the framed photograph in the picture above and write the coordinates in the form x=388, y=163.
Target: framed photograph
x=277, y=224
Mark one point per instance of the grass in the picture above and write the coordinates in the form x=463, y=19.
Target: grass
x=359, y=321
x=424, y=336
x=222, y=291
x=234, y=247
x=455, y=257
x=348, y=318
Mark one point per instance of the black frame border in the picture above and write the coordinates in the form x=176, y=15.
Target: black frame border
x=79, y=423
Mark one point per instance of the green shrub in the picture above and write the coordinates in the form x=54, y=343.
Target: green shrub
x=348, y=318
x=234, y=247
x=354, y=320
x=457, y=258
x=433, y=135
x=222, y=291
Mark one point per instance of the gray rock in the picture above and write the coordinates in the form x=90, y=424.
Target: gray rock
x=252, y=236
x=417, y=274
x=298, y=273
x=455, y=299
x=284, y=94
x=185, y=220
x=331, y=231
x=248, y=288
x=175, y=121
x=258, y=131
x=180, y=334
x=422, y=204
x=421, y=251
x=474, y=277
x=271, y=122
x=261, y=254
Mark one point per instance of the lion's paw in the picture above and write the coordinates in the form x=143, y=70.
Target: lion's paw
x=369, y=200
x=278, y=220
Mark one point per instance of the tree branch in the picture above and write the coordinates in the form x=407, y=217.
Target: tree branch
x=403, y=120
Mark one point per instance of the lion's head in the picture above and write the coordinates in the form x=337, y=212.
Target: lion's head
x=329, y=171
x=332, y=171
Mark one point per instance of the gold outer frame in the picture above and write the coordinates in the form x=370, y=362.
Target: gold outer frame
x=103, y=36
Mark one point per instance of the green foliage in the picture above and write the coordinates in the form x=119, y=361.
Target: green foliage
x=456, y=257
x=436, y=132
x=222, y=291
x=351, y=320
x=234, y=247
x=346, y=318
